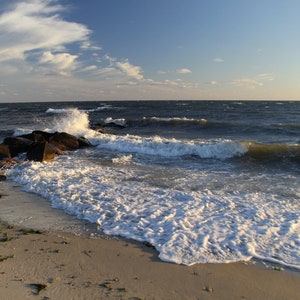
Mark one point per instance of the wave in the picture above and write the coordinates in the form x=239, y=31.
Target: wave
x=76, y=122
x=164, y=147
x=263, y=151
x=288, y=125
x=58, y=110
x=177, y=121
x=214, y=149
x=118, y=122
x=102, y=107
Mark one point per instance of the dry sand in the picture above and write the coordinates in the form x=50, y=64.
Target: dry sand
x=53, y=264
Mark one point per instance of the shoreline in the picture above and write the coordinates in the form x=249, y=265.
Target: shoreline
x=66, y=262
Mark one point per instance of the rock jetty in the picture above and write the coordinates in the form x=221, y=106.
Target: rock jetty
x=39, y=146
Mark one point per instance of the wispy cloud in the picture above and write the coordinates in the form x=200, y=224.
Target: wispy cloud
x=253, y=82
x=36, y=25
x=213, y=82
x=62, y=63
x=130, y=70
x=218, y=60
x=178, y=71
x=248, y=82
x=265, y=76
x=183, y=71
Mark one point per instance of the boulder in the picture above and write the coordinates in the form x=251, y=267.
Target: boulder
x=2, y=177
x=41, y=151
x=56, y=150
x=41, y=145
x=17, y=144
x=64, y=141
x=38, y=136
x=4, y=152
x=83, y=142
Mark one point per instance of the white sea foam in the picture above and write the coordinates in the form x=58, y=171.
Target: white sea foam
x=73, y=121
x=186, y=222
x=122, y=159
x=110, y=120
x=156, y=145
x=176, y=119
x=57, y=110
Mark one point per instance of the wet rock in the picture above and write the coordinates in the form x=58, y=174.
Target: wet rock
x=83, y=142
x=4, y=152
x=41, y=151
x=64, y=141
x=38, y=136
x=40, y=145
x=2, y=177
x=17, y=144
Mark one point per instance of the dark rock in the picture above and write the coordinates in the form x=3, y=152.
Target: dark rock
x=56, y=150
x=37, y=287
x=2, y=177
x=17, y=144
x=83, y=142
x=41, y=151
x=64, y=141
x=40, y=145
x=4, y=152
x=38, y=136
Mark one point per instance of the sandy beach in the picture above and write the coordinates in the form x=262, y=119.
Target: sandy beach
x=53, y=263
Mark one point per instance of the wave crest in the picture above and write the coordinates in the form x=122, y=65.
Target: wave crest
x=71, y=120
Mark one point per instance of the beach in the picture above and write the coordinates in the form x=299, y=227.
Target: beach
x=65, y=259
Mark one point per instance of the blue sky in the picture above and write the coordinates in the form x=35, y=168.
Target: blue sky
x=64, y=50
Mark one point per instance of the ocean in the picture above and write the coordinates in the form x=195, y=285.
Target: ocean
x=201, y=181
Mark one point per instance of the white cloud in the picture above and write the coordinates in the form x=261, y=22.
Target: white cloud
x=62, y=63
x=130, y=70
x=256, y=81
x=179, y=71
x=162, y=72
x=218, y=60
x=213, y=82
x=183, y=71
x=266, y=76
x=61, y=60
x=171, y=82
x=248, y=82
x=36, y=25
x=89, y=68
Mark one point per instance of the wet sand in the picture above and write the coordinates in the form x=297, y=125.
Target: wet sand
x=45, y=254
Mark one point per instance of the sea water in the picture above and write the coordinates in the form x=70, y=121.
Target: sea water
x=202, y=181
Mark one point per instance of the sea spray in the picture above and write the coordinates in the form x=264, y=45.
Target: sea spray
x=73, y=121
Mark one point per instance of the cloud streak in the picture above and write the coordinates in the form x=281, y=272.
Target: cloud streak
x=130, y=70
x=183, y=71
x=218, y=60
x=253, y=82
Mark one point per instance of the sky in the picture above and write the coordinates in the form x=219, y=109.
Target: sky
x=90, y=50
